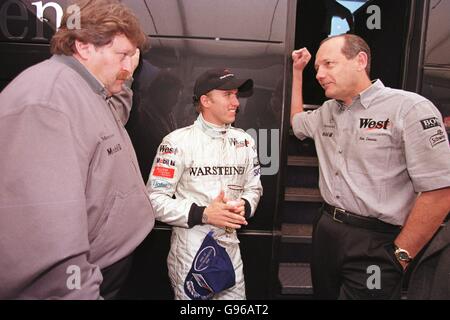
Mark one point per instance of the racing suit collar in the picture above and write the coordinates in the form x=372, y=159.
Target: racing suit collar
x=212, y=130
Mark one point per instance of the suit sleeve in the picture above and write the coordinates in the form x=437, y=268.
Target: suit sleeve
x=43, y=218
x=166, y=172
x=252, y=188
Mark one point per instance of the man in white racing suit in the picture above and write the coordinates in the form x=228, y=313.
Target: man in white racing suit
x=193, y=171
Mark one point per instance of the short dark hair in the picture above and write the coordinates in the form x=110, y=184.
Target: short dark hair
x=101, y=21
x=353, y=45
x=197, y=106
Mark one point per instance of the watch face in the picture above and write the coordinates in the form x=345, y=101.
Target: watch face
x=402, y=255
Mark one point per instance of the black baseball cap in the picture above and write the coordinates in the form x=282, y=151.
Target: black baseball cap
x=222, y=79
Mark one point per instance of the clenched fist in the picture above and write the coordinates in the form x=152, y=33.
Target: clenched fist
x=300, y=58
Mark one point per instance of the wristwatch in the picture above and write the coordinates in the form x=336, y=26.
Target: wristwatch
x=402, y=254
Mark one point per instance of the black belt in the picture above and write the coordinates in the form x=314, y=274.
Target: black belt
x=343, y=216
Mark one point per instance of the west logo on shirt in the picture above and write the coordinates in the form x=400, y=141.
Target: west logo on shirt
x=370, y=124
x=163, y=172
x=239, y=144
x=430, y=123
x=165, y=149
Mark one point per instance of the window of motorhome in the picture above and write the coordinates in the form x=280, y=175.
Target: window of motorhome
x=339, y=23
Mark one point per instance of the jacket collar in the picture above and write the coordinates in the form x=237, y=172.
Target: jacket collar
x=75, y=65
x=212, y=130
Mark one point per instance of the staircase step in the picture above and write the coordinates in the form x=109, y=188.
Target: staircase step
x=296, y=233
x=299, y=252
x=300, y=213
x=302, y=194
x=301, y=161
x=302, y=177
x=298, y=147
x=295, y=278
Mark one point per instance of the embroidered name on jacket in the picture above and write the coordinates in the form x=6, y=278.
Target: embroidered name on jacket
x=216, y=171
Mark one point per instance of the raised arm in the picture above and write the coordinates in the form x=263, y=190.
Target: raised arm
x=300, y=59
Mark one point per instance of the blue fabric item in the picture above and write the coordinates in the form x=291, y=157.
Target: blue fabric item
x=211, y=271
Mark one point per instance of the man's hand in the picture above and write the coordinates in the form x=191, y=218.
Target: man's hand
x=300, y=59
x=236, y=206
x=221, y=215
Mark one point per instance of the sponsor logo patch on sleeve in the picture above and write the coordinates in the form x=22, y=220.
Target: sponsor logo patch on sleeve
x=430, y=123
x=168, y=162
x=437, y=138
x=163, y=172
x=161, y=184
x=165, y=149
